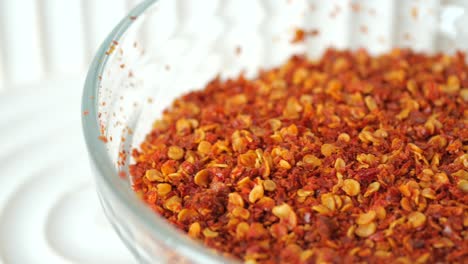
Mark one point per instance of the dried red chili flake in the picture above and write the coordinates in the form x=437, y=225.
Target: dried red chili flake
x=301, y=34
x=350, y=159
x=122, y=174
x=103, y=139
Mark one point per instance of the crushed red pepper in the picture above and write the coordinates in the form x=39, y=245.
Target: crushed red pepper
x=300, y=34
x=346, y=159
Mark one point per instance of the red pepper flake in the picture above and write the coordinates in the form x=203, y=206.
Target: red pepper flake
x=133, y=17
x=364, y=29
x=355, y=7
x=86, y=112
x=351, y=158
x=300, y=34
x=238, y=50
x=122, y=174
x=414, y=12
x=111, y=49
x=314, y=32
x=103, y=139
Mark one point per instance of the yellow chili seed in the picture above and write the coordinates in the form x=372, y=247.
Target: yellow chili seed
x=416, y=219
x=202, y=178
x=173, y=204
x=340, y=164
x=366, y=230
x=284, y=164
x=366, y=217
x=372, y=188
x=328, y=149
x=175, y=153
x=269, y=185
x=164, y=189
x=154, y=175
x=204, y=147
x=351, y=187
x=344, y=137
x=208, y=233
x=256, y=193
x=194, y=230
x=312, y=160
x=463, y=185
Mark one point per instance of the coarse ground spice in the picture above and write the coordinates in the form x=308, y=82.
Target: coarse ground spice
x=346, y=159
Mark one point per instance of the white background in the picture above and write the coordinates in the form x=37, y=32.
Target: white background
x=49, y=211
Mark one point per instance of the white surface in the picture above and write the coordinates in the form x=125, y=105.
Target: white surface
x=43, y=39
x=49, y=210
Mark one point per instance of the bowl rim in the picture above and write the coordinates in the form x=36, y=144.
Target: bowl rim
x=104, y=168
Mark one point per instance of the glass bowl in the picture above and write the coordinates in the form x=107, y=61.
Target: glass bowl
x=164, y=48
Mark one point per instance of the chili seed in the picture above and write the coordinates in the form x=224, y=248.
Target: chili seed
x=351, y=187
x=175, y=153
x=269, y=185
x=416, y=219
x=164, y=189
x=154, y=176
x=366, y=217
x=463, y=185
x=366, y=230
x=328, y=149
x=202, y=178
x=210, y=233
x=312, y=160
x=194, y=230
x=256, y=193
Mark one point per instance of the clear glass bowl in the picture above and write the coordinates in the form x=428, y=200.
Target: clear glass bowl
x=164, y=48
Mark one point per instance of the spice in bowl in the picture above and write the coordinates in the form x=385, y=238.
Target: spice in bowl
x=348, y=158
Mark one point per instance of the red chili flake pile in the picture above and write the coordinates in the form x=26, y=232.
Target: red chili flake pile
x=351, y=158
